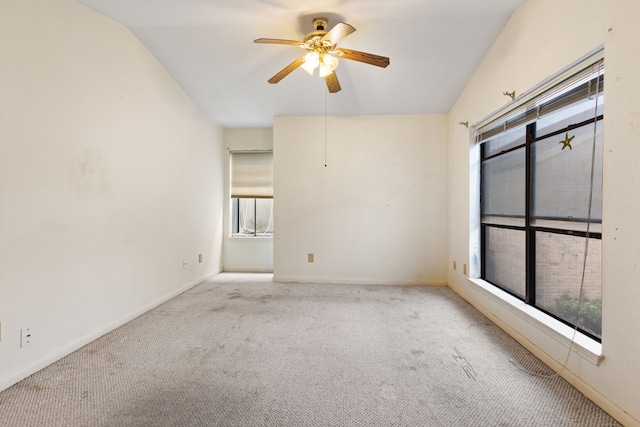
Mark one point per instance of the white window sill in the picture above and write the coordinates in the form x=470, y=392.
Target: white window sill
x=586, y=347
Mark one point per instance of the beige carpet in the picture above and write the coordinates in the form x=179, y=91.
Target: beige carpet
x=240, y=350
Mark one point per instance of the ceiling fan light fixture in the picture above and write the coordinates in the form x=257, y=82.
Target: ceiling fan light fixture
x=324, y=70
x=311, y=61
x=330, y=60
x=327, y=65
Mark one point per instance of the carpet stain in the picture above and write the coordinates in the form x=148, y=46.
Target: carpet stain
x=31, y=387
x=219, y=308
x=414, y=315
x=230, y=374
x=388, y=392
x=417, y=352
x=235, y=295
x=466, y=366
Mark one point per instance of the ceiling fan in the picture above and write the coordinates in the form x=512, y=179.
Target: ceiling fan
x=323, y=53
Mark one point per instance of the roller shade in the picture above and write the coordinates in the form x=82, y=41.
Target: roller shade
x=252, y=175
x=580, y=81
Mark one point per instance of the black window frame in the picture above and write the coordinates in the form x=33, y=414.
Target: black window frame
x=529, y=228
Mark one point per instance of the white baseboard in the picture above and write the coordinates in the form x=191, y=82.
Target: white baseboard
x=92, y=336
x=286, y=279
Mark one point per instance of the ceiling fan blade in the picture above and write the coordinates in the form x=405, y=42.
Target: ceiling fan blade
x=332, y=83
x=286, y=70
x=279, y=41
x=367, y=58
x=338, y=32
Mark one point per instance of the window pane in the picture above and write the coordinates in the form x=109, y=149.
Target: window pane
x=246, y=216
x=252, y=217
x=235, y=216
x=559, y=263
x=504, y=141
x=562, y=177
x=504, y=258
x=503, y=184
x=571, y=115
x=264, y=211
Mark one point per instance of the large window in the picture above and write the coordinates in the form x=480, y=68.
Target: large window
x=251, y=192
x=541, y=199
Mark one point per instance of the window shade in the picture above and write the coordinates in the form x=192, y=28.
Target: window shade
x=579, y=81
x=252, y=175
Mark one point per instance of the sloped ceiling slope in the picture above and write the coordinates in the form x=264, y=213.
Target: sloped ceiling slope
x=207, y=46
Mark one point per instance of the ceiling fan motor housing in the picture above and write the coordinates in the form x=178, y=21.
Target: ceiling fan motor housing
x=320, y=24
x=314, y=41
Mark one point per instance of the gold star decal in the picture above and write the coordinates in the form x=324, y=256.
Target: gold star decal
x=567, y=141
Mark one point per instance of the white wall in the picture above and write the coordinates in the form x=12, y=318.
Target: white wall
x=248, y=254
x=375, y=214
x=540, y=39
x=109, y=178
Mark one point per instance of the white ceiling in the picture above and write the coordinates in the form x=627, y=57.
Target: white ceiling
x=207, y=46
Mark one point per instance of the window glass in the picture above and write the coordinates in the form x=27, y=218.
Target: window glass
x=503, y=185
x=252, y=217
x=504, y=141
x=559, y=262
x=504, y=258
x=573, y=114
x=562, y=178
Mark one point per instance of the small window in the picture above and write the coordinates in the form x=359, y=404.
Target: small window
x=251, y=217
x=251, y=193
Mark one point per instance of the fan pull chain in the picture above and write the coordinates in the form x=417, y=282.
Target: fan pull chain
x=325, y=128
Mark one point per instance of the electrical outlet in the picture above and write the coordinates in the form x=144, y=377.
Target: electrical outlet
x=199, y=258
x=310, y=257
x=25, y=336
x=184, y=264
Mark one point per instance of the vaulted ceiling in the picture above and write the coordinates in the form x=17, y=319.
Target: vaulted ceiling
x=207, y=46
